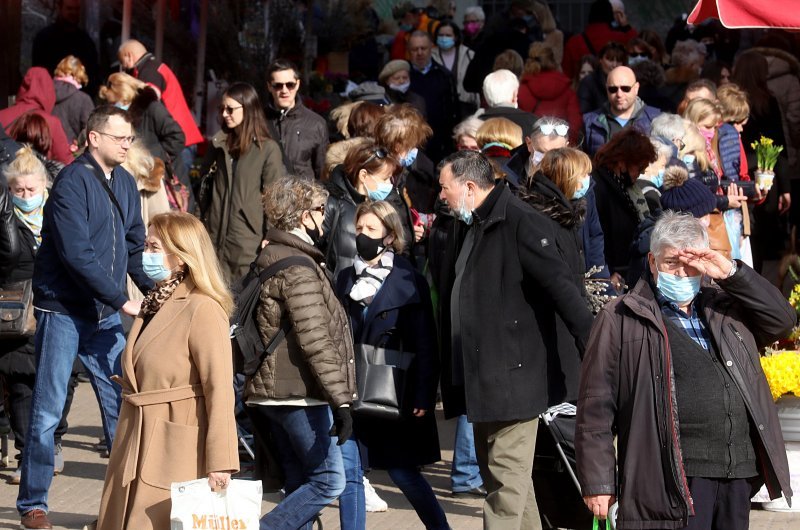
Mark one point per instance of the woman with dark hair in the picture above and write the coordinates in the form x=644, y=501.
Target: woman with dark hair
x=716, y=71
x=243, y=162
x=620, y=203
x=653, y=39
x=366, y=174
x=32, y=129
x=588, y=65
x=451, y=53
x=751, y=72
x=592, y=89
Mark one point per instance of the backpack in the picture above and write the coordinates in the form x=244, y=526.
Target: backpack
x=249, y=349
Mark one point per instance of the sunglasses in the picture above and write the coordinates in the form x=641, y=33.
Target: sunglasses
x=614, y=89
x=548, y=129
x=640, y=54
x=318, y=209
x=291, y=85
x=379, y=153
x=227, y=109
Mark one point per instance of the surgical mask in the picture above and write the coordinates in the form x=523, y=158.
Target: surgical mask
x=471, y=28
x=28, y=205
x=410, y=157
x=462, y=212
x=445, y=43
x=678, y=289
x=632, y=61
x=382, y=190
x=401, y=88
x=536, y=158
x=369, y=248
x=153, y=266
x=121, y=106
x=406, y=27
x=689, y=159
x=581, y=192
x=658, y=180
x=708, y=135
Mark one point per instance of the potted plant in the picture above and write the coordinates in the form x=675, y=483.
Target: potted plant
x=767, y=156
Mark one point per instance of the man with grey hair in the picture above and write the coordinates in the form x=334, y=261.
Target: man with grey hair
x=503, y=283
x=500, y=89
x=672, y=370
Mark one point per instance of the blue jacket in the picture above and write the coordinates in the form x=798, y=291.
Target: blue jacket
x=592, y=236
x=597, y=131
x=729, y=151
x=87, y=250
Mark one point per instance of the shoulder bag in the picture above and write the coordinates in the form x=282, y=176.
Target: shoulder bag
x=16, y=310
x=381, y=378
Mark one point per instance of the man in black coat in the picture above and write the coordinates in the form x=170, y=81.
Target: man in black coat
x=500, y=90
x=504, y=281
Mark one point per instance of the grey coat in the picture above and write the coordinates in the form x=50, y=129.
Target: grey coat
x=73, y=107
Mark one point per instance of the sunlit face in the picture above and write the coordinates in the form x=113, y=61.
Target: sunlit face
x=452, y=191
x=232, y=112
x=370, y=225
x=668, y=262
x=467, y=143
x=112, y=143
x=27, y=186
x=398, y=78
x=586, y=69
x=153, y=244
x=544, y=144
x=620, y=80
x=313, y=218
x=608, y=64
x=708, y=126
x=654, y=167
x=420, y=50
x=284, y=85
x=369, y=181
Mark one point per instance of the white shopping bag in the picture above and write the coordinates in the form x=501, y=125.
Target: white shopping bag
x=196, y=507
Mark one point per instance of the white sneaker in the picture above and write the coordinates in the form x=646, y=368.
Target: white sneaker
x=372, y=501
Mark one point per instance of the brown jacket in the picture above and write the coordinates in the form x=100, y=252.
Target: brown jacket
x=316, y=359
x=176, y=422
x=235, y=219
x=627, y=388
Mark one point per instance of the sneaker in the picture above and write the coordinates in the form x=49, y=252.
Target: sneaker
x=58, y=460
x=35, y=519
x=372, y=501
x=16, y=476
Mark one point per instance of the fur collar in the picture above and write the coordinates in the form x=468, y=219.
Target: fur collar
x=144, y=98
x=545, y=197
x=152, y=182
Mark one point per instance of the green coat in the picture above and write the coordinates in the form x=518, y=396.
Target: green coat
x=235, y=219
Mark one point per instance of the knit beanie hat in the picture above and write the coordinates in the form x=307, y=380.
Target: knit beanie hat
x=683, y=194
x=392, y=67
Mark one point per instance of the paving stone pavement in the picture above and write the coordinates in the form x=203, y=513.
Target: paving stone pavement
x=75, y=495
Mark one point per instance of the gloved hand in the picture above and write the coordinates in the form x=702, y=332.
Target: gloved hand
x=342, y=425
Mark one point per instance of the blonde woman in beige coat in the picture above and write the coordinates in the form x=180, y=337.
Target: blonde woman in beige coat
x=176, y=422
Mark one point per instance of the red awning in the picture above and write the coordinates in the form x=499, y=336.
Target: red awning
x=749, y=13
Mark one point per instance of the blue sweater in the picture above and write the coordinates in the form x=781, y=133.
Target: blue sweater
x=87, y=250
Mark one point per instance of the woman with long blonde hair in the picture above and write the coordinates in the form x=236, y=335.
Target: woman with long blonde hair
x=176, y=421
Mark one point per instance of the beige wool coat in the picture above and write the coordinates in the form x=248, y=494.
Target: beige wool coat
x=177, y=419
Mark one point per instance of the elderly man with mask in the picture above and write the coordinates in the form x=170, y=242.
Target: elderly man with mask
x=623, y=109
x=672, y=370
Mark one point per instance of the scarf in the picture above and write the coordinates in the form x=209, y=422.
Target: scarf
x=34, y=219
x=68, y=79
x=160, y=294
x=370, y=277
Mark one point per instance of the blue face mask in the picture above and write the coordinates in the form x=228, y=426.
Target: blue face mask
x=401, y=88
x=407, y=160
x=121, y=106
x=153, y=266
x=445, y=43
x=581, y=192
x=382, y=190
x=658, y=180
x=406, y=27
x=462, y=212
x=678, y=289
x=688, y=159
x=28, y=205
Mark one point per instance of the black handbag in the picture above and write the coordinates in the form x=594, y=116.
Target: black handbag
x=16, y=310
x=381, y=376
x=205, y=189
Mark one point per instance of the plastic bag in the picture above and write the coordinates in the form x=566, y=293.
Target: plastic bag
x=196, y=506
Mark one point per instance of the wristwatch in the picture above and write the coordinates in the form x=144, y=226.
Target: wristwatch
x=734, y=267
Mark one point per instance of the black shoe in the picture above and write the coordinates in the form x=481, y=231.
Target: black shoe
x=480, y=492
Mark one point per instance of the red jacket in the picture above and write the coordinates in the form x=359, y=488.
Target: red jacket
x=173, y=99
x=599, y=34
x=38, y=94
x=550, y=94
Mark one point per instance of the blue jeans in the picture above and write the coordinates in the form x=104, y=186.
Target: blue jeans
x=352, y=505
x=420, y=494
x=312, y=463
x=465, y=474
x=59, y=338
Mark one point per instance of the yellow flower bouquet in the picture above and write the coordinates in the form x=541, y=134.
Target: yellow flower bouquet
x=782, y=369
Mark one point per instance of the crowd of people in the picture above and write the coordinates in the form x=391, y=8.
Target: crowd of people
x=447, y=218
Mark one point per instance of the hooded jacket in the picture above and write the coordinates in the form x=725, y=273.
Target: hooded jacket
x=37, y=94
x=72, y=107
x=628, y=390
x=550, y=94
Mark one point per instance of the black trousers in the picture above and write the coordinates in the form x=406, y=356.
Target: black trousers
x=720, y=504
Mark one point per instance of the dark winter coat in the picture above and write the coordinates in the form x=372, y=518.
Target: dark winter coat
x=412, y=98
x=596, y=129
x=438, y=88
x=303, y=137
x=72, y=107
x=9, y=236
x=593, y=238
x=315, y=360
x=418, y=184
x=513, y=285
x=566, y=218
x=592, y=91
x=152, y=122
x=400, y=317
x=339, y=225
x=521, y=117
x=628, y=390
x=550, y=94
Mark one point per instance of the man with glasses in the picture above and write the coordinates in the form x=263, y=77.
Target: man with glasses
x=624, y=108
x=92, y=238
x=301, y=133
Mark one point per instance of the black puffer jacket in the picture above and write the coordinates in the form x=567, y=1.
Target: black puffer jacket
x=339, y=225
x=628, y=391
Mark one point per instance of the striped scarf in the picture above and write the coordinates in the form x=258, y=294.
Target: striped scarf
x=370, y=277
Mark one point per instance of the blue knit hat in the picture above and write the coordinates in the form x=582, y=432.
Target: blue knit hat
x=684, y=194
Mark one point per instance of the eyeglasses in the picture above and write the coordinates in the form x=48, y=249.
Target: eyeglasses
x=548, y=129
x=681, y=144
x=119, y=140
x=227, y=109
x=291, y=85
x=614, y=89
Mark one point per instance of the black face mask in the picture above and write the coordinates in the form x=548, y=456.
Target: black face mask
x=368, y=248
x=313, y=233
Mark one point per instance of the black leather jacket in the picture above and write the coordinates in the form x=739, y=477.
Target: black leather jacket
x=9, y=234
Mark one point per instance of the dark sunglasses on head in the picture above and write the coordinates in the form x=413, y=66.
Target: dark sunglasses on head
x=379, y=153
x=613, y=89
x=279, y=86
